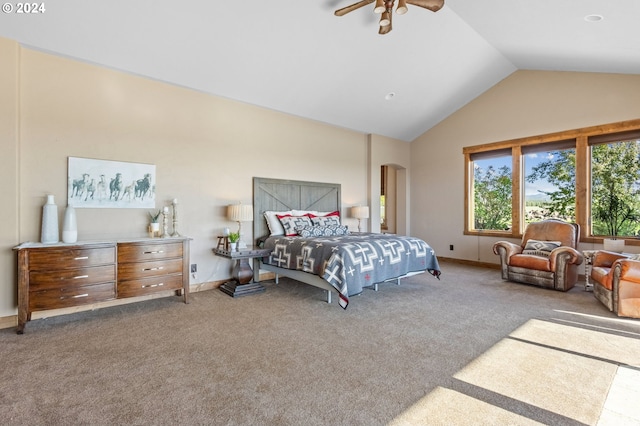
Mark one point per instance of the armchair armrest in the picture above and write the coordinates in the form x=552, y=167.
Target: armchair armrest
x=606, y=259
x=508, y=248
x=565, y=255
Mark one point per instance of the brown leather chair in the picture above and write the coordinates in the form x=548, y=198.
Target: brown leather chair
x=616, y=282
x=546, y=257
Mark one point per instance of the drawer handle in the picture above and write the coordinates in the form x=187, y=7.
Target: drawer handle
x=81, y=258
x=77, y=296
x=159, y=268
x=80, y=276
x=153, y=285
x=154, y=252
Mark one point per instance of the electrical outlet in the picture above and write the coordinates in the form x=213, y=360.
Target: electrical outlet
x=451, y=247
x=194, y=268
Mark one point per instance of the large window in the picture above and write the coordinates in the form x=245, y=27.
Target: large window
x=492, y=191
x=589, y=176
x=615, y=187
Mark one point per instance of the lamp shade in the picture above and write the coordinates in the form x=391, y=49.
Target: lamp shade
x=360, y=212
x=240, y=212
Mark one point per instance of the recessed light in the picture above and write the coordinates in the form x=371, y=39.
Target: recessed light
x=593, y=18
x=389, y=96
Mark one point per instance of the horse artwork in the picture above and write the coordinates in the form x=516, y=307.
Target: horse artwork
x=110, y=184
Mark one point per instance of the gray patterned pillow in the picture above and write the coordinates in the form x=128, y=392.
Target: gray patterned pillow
x=322, y=231
x=540, y=248
x=290, y=223
x=325, y=220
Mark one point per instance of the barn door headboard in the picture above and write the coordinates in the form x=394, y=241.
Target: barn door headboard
x=282, y=195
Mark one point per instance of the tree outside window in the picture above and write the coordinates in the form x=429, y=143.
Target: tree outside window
x=492, y=194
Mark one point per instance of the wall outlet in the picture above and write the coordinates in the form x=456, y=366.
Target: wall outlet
x=450, y=247
x=194, y=268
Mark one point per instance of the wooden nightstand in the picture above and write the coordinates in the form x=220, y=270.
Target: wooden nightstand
x=245, y=280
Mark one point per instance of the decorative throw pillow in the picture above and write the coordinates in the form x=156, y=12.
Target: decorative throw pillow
x=275, y=227
x=322, y=231
x=540, y=248
x=325, y=218
x=290, y=223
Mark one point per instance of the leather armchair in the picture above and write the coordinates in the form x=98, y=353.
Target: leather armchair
x=554, y=265
x=616, y=283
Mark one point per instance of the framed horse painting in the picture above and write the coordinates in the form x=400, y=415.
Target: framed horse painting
x=110, y=184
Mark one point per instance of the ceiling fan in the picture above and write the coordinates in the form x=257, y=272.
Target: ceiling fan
x=385, y=8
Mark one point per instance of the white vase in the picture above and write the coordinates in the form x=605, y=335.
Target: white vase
x=70, y=226
x=50, y=233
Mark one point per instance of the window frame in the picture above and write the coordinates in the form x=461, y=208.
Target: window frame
x=582, y=138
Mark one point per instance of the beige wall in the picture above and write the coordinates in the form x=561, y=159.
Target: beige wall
x=8, y=172
x=206, y=151
x=527, y=103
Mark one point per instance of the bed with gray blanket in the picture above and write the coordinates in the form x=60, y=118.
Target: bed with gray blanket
x=343, y=264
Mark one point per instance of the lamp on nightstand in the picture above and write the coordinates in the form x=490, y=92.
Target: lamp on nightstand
x=360, y=212
x=240, y=213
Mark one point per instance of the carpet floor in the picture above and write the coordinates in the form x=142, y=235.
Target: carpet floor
x=468, y=349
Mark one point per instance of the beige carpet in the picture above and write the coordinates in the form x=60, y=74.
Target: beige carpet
x=468, y=349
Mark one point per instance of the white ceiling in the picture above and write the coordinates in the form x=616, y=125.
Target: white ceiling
x=296, y=57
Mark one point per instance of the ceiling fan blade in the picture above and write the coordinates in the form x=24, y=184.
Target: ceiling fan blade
x=432, y=5
x=345, y=10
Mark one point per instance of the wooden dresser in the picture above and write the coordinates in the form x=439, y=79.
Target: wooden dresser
x=53, y=276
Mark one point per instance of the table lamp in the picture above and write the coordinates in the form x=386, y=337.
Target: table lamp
x=240, y=213
x=360, y=212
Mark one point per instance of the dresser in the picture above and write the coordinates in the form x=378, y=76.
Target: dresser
x=53, y=276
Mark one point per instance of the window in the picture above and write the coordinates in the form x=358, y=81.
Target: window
x=550, y=181
x=589, y=176
x=615, y=186
x=492, y=191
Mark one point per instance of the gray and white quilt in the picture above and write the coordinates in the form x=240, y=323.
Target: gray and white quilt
x=351, y=262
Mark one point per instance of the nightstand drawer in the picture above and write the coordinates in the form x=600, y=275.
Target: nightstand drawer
x=66, y=278
x=132, y=271
x=71, y=296
x=144, y=252
x=144, y=286
x=69, y=257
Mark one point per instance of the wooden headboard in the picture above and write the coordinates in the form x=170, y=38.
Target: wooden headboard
x=282, y=195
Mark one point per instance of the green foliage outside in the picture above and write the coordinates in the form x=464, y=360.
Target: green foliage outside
x=615, y=196
x=492, y=198
x=615, y=186
x=560, y=171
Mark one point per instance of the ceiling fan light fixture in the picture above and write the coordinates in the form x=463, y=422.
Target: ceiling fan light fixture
x=385, y=19
x=379, y=6
x=402, y=7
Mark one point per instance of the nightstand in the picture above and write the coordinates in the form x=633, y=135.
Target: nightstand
x=245, y=280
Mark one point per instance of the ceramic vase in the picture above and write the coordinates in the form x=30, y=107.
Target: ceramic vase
x=70, y=226
x=50, y=233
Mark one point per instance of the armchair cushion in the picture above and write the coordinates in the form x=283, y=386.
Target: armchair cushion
x=540, y=248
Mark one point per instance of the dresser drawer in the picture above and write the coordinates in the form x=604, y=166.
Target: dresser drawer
x=130, y=252
x=69, y=257
x=66, y=278
x=71, y=296
x=132, y=271
x=144, y=286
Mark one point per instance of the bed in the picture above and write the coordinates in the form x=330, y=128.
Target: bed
x=330, y=259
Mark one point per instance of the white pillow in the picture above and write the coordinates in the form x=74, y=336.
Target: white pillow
x=303, y=212
x=275, y=227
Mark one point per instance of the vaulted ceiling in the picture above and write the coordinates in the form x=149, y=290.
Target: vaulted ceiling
x=297, y=57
